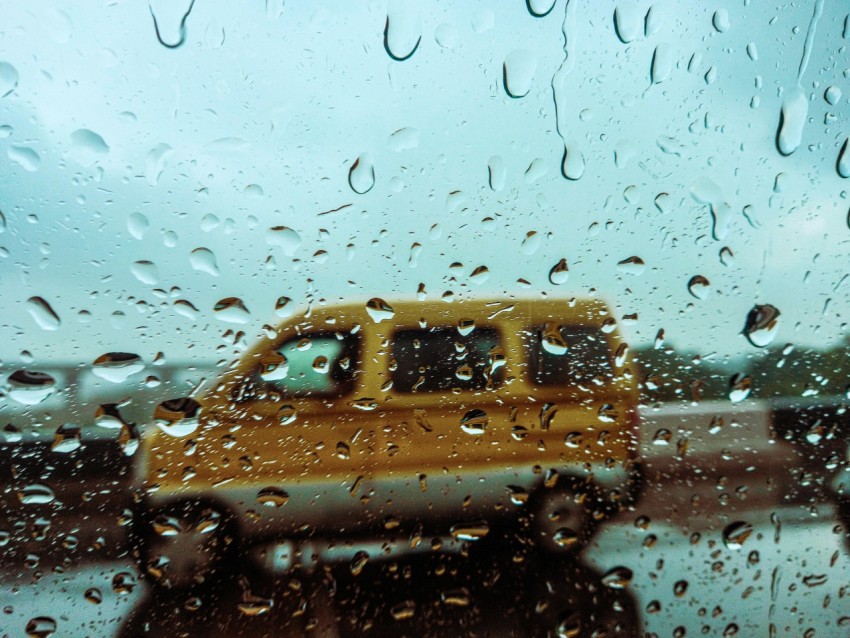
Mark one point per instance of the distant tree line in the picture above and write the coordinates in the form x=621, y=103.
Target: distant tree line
x=668, y=374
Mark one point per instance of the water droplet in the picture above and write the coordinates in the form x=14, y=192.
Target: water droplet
x=530, y=243
x=752, y=51
x=254, y=606
x=497, y=173
x=30, y=388
x=632, y=266
x=662, y=63
x=662, y=437
x=284, y=307
x=680, y=588
x=652, y=21
x=128, y=439
x=25, y=156
x=446, y=35
x=560, y=273
x=552, y=340
x=203, y=260
x=109, y=416
x=145, y=271
x=87, y=146
x=66, y=439
x=404, y=610
x=483, y=20
x=123, y=583
x=177, y=417
x=792, y=119
x=287, y=414
x=402, y=31
x=94, y=595
x=272, y=497
x=379, y=310
x=740, y=386
x=186, y=309
x=273, y=367
x=572, y=166
x=474, y=422
x=735, y=534
x=284, y=237
x=404, y=139
x=361, y=175
x=727, y=258
x=832, y=95
x=479, y=275
x=535, y=171
x=470, y=531
x=117, y=367
x=8, y=79
x=761, y=325
x=36, y=494
x=720, y=20
x=137, y=225
x=618, y=577
x=699, y=287
x=628, y=21
x=43, y=314
x=465, y=327
x=843, y=163
x=539, y=8
x=169, y=21
x=358, y=562
x=41, y=627
x=705, y=191
x=232, y=310
x=518, y=72
x=155, y=162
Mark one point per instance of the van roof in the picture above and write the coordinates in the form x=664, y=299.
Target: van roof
x=409, y=311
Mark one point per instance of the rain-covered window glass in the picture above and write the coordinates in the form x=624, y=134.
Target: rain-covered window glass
x=441, y=359
x=425, y=318
x=568, y=355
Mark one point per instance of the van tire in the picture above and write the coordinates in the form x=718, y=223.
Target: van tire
x=204, y=546
x=564, y=518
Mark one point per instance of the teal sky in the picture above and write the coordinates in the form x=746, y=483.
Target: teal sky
x=256, y=120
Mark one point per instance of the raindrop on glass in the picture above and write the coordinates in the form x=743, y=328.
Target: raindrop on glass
x=117, y=367
x=232, y=310
x=735, y=534
x=518, y=72
x=379, y=310
x=43, y=314
x=402, y=30
x=8, y=79
x=761, y=325
x=699, y=287
x=628, y=21
x=203, y=260
x=361, y=175
x=559, y=273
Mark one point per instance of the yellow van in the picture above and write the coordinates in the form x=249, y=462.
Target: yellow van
x=396, y=420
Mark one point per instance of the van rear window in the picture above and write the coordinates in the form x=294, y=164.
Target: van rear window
x=443, y=359
x=568, y=355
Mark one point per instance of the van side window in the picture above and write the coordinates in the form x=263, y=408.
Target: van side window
x=568, y=355
x=441, y=359
x=321, y=364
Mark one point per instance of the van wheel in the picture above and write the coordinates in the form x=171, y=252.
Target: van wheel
x=184, y=543
x=565, y=518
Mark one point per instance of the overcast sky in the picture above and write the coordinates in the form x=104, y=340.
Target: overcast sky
x=256, y=120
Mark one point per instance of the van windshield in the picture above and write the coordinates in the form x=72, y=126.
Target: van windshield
x=567, y=355
x=431, y=360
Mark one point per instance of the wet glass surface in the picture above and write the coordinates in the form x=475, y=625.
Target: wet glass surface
x=423, y=319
